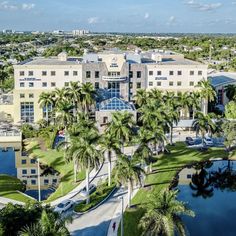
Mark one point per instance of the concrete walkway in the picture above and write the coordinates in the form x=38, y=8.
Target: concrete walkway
x=5, y=201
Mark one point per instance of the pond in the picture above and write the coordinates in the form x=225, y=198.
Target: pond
x=18, y=164
x=210, y=191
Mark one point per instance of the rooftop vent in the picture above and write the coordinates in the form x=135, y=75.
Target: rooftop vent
x=62, y=56
x=157, y=57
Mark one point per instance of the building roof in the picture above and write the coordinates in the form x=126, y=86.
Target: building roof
x=222, y=78
x=115, y=104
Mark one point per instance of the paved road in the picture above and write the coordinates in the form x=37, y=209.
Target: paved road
x=97, y=221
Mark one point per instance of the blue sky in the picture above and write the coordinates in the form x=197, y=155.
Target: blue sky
x=161, y=16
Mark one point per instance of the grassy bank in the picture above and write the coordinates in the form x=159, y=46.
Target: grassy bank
x=98, y=196
x=164, y=170
x=18, y=196
x=56, y=160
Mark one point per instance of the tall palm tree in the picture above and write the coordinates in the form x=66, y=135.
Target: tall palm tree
x=74, y=93
x=204, y=124
x=195, y=97
x=141, y=97
x=231, y=91
x=163, y=216
x=88, y=96
x=46, y=101
x=65, y=117
x=86, y=153
x=50, y=224
x=127, y=172
x=109, y=143
x=208, y=93
x=186, y=101
x=60, y=95
x=122, y=126
x=155, y=94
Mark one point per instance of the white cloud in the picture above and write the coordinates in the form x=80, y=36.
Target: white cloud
x=146, y=16
x=171, y=20
x=233, y=3
x=203, y=7
x=27, y=6
x=93, y=20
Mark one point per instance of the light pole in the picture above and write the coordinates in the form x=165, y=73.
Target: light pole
x=122, y=215
x=39, y=190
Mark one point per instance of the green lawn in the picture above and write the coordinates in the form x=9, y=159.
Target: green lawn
x=55, y=159
x=164, y=170
x=18, y=196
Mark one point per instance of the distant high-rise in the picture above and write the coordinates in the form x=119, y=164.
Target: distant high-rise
x=8, y=31
x=80, y=32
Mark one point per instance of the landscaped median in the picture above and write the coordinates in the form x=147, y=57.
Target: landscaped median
x=102, y=193
x=164, y=171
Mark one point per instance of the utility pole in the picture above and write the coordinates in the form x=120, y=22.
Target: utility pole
x=39, y=190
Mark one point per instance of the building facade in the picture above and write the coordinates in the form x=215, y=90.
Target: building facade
x=116, y=75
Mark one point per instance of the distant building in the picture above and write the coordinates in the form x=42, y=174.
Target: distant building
x=8, y=31
x=80, y=32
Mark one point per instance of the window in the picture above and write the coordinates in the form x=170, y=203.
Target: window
x=22, y=84
x=130, y=85
x=22, y=73
x=44, y=84
x=158, y=83
x=191, y=72
x=105, y=120
x=53, y=73
x=158, y=72
x=67, y=84
x=66, y=73
x=31, y=84
x=189, y=176
x=75, y=73
x=46, y=181
x=199, y=72
x=171, y=83
x=32, y=161
x=23, y=162
x=191, y=83
x=179, y=83
x=139, y=74
x=131, y=74
x=96, y=85
x=33, y=171
x=27, y=112
x=31, y=95
x=54, y=181
x=179, y=72
x=22, y=95
x=30, y=73
x=44, y=73
x=138, y=85
x=33, y=181
x=150, y=72
x=24, y=172
x=88, y=74
x=171, y=72
x=53, y=84
x=150, y=83
x=96, y=74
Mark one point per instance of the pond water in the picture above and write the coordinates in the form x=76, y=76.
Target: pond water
x=210, y=191
x=18, y=164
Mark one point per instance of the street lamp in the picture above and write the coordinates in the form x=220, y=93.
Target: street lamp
x=39, y=190
x=122, y=215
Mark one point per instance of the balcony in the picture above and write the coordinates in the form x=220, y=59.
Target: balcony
x=114, y=78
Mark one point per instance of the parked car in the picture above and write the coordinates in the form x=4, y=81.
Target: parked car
x=189, y=141
x=208, y=141
x=92, y=188
x=64, y=206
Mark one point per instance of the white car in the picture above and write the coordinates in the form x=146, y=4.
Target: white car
x=64, y=206
x=92, y=188
x=208, y=141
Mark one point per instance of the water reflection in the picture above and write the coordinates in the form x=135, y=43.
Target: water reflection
x=18, y=164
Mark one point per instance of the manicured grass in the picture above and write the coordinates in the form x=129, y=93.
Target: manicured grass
x=10, y=183
x=99, y=195
x=18, y=196
x=164, y=170
x=56, y=160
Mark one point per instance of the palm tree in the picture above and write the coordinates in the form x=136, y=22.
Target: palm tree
x=46, y=101
x=186, y=101
x=155, y=94
x=207, y=93
x=204, y=124
x=88, y=95
x=163, y=216
x=50, y=224
x=109, y=144
x=141, y=97
x=122, y=126
x=74, y=92
x=230, y=91
x=65, y=116
x=86, y=153
x=158, y=137
x=127, y=172
x=195, y=97
x=60, y=95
